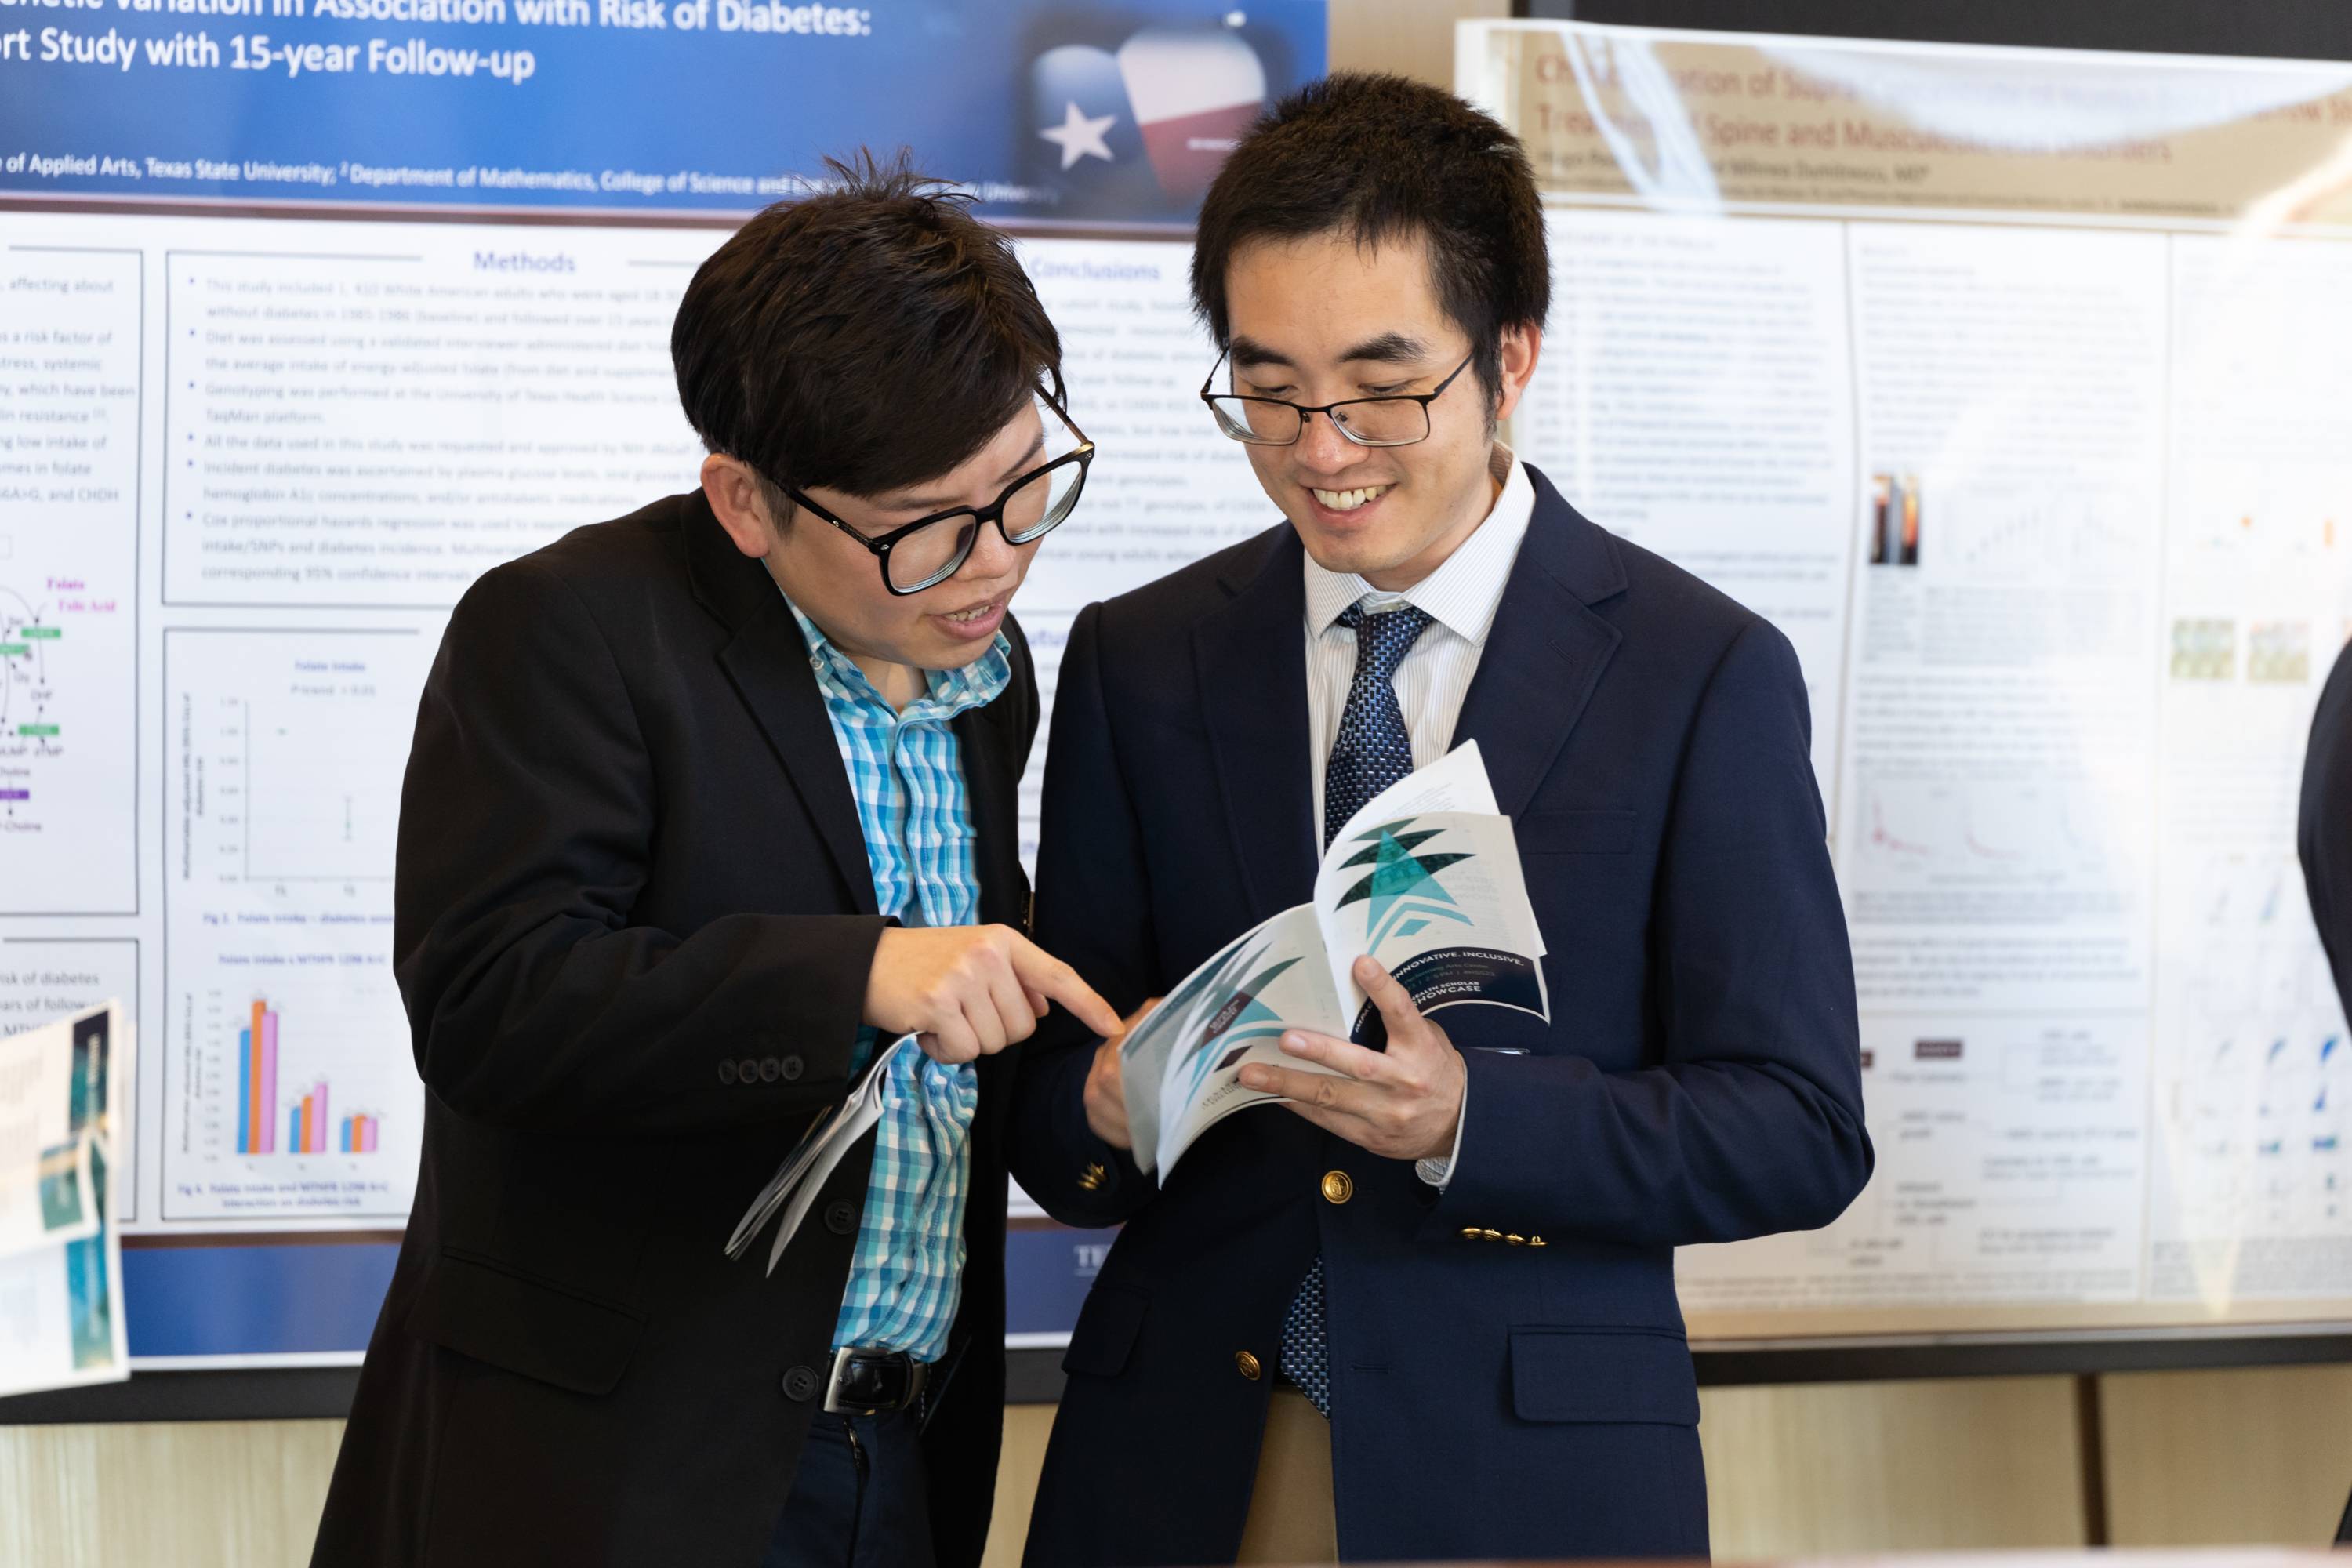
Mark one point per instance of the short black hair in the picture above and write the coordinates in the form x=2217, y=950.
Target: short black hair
x=1380, y=158
x=865, y=338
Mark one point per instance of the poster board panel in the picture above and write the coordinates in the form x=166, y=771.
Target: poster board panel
x=1999, y=380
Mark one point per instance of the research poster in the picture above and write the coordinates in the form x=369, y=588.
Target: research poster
x=313, y=310
x=2010, y=384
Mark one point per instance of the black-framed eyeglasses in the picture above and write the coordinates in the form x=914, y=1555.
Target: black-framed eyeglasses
x=1398, y=419
x=931, y=550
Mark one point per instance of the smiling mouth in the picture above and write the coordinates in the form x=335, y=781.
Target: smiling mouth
x=1348, y=500
x=977, y=612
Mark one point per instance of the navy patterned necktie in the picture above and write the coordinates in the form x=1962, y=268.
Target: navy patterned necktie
x=1373, y=749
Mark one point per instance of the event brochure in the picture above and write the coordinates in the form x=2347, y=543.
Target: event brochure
x=1425, y=878
x=60, y=1261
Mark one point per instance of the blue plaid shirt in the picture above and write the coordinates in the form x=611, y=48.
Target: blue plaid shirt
x=905, y=1276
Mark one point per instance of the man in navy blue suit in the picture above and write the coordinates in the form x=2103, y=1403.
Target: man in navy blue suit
x=1423, y=1309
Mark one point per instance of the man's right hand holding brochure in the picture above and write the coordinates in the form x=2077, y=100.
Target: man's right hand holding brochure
x=1403, y=1102
x=1391, y=1108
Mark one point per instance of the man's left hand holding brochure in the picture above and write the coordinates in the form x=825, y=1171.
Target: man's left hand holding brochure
x=61, y=1255
x=796, y=1182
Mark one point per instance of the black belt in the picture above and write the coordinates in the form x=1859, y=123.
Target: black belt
x=867, y=1383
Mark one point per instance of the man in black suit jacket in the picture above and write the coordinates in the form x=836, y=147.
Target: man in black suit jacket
x=638, y=934
x=1460, y=1249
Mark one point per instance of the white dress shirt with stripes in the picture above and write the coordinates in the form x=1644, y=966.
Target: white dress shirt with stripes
x=1460, y=598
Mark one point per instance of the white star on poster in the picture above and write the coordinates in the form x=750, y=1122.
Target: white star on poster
x=1079, y=137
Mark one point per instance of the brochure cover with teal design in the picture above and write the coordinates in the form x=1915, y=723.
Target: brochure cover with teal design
x=1425, y=878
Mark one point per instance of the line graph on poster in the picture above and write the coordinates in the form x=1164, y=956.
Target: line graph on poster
x=291, y=747
x=1921, y=831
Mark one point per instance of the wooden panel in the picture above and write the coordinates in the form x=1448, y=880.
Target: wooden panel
x=1960, y=1465
x=1839, y=1467
x=226, y=1494
x=2209, y=1458
x=1412, y=38
x=247, y=1494
x=1844, y=1468
x=1025, y=1429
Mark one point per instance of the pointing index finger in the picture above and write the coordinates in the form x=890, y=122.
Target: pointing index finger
x=1043, y=972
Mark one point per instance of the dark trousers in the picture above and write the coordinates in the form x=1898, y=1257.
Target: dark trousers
x=859, y=1499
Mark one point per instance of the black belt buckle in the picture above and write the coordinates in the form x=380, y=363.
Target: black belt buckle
x=867, y=1383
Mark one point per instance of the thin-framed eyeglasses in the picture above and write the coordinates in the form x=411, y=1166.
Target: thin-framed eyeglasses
x=931, y=550
x=1394, y=420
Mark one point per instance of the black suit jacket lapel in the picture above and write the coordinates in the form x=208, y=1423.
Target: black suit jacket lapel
x=1547, y=650
x=768, y=661
x=1251, y=657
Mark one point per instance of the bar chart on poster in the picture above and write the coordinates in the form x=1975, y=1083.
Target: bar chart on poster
x=308, y=1120
x=270, y=1110
x=1992, y=378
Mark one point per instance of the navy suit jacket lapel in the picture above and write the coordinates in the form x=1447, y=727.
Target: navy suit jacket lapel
x=986, y=737
x=767, y=660
x=991, y=787
x=1250, y=655
x=1545, y=651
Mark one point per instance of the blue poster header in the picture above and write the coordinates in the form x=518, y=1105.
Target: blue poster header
x=1045, y=111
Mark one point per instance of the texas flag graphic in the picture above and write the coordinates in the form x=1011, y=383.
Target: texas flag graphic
x=1173, y=99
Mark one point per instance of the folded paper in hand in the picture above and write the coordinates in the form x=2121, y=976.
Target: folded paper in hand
x=1425, y=878
x=799, y=1179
